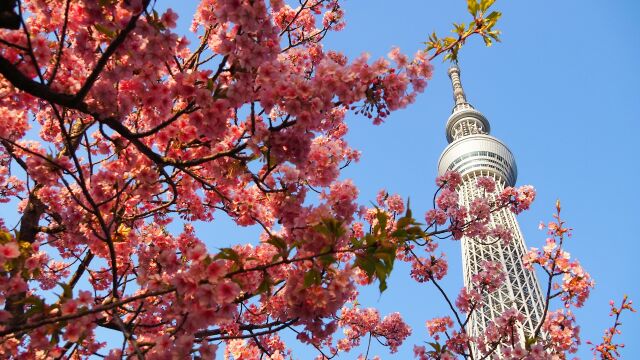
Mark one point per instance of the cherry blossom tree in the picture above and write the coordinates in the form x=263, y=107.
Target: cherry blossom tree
x=114, y=127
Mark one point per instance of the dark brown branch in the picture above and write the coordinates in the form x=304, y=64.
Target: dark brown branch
x=97, y=309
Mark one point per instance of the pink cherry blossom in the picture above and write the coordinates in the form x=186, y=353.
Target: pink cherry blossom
x=480, y=209
x=450, y=180
x=447, y=199
x=439, y=325
x=487, y=183
x=396, y=204
x=436, y=216
x=9, y=250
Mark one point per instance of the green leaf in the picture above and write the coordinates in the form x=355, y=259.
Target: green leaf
x=494, y=16
x=449, y=40
x=356, y=243
x=529, y=341
x=312, y=277
x=492, y=19
x=327, y=260
x=382, y=273
x=333, y=227
x=265, y=285
x=416, y=232
x=458, y=29
x=403, y=222
x=387, y=255
x=472, y=6
x=399, y=234
x=436, y=346
x=278, y=242
x=369, y=239
x=449, y=56
x=494, y=35
x=383, y=285
x=105, y=30
x=366, y=263
x=228, y=254
x=37, y=305
x=486, y=4
x=55, y=337
x=381, y=226
x=5, y=237
x=34, y=301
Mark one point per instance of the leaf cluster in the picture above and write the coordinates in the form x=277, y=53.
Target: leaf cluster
x=375, y=252
x=377, y=249
x=483, y=24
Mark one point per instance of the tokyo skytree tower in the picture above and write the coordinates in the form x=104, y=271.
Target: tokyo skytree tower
x=474, y=153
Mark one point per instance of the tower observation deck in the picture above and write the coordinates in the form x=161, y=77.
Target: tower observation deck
x=474, y=153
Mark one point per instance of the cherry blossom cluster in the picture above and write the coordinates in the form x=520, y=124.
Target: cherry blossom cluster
x=140, y=131
x=394, y=202
x=358, y=323
x=474, y=221
x=142, y=137
x=575, y=284
x=563, y=332
x=502, y=330
x=487, y=281
x=608, y=349
x=439, y=325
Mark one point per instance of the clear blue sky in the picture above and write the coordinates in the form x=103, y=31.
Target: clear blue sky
x=560, y=90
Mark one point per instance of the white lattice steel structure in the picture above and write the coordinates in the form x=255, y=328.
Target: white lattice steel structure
x=473, y=153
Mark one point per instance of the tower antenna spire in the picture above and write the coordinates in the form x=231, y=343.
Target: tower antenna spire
x=465, y=120
x=459, y=97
